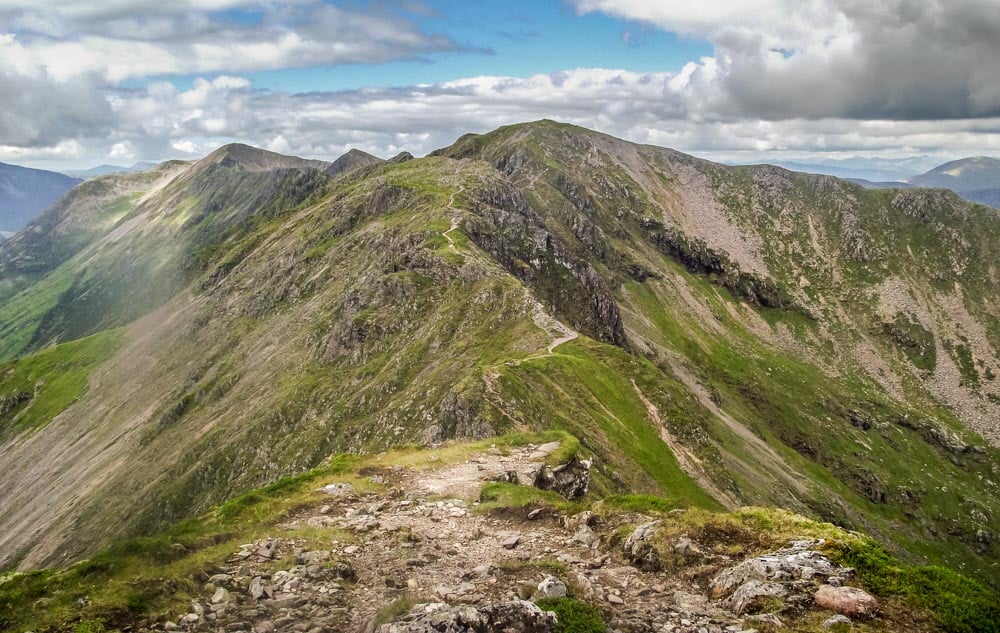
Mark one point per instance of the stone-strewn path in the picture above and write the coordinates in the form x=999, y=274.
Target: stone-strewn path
x=419, y=540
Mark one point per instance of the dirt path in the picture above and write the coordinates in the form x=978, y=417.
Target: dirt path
x=417, y=538
x=454, y=220
x=687, y=460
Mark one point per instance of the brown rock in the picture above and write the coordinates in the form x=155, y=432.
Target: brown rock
x=848, y=601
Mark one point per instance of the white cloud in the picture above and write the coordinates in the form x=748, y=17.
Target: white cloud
x=862, y=59
x=125, y=150
x=162, y=121
x=127, y=39
x=188, y=147
x=788, y=78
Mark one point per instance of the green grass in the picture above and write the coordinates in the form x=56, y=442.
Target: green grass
x=41, y=386
x=586, y=389
x=494, y=495
x=959, y=604
x=126, y=580
x=574, y=616
x=640, y=504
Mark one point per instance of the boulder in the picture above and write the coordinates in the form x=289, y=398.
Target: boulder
x=571, y=480
x=510, y=617
x=754, y=596
x=511, y=542
x=337, y=489
x=551, y=587
x=221, y=596
x=585, y=537
x=848, y=601
x=638, y=547
x=797, y=562
x=256, y=589
x=586, y=517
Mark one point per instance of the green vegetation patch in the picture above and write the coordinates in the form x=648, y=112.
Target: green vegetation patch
x=913, y=339
x=959, y=604
x=37, y=388
x=592, y=390
x=574, y=616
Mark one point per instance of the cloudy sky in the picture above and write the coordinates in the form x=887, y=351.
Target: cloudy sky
x=119, y=81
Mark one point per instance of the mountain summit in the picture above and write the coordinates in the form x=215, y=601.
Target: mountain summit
x=714, y=336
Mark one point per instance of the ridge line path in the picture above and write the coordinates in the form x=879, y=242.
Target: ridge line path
x=454, y=220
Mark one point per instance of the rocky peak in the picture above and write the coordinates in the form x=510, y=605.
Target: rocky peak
x=351, y=160
x=242, y=157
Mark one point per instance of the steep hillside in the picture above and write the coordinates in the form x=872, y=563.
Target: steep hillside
x=717, y=336
x=25, y=192
x=976, y=179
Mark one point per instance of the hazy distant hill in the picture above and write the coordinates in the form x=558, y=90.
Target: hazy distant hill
x=25, y=192
x=890, y=184
x=858, y=168
x=104, y=170
x=976, y=179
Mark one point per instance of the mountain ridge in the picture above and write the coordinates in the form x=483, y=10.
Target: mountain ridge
x=255, y=314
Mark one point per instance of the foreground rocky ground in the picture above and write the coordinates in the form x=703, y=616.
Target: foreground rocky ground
x=417, y=551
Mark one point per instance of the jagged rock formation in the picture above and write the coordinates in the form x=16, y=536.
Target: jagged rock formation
x=725, y=336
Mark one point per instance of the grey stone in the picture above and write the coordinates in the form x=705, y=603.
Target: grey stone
x=511, y=542
x=510, y=617
x=638, y=547
x=571, y=480
x=551, y=587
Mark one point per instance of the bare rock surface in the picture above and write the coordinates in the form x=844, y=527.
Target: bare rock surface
x=848, y=601
x=415, y=555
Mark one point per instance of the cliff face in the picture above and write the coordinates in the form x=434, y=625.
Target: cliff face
x=726, y=336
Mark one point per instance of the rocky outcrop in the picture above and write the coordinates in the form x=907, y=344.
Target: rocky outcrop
x=571, y=479
x=763, y=583
x=639, y=548
x=510, y=230
x=511, y=617
x=799, y=562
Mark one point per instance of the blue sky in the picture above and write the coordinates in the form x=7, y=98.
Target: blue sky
x=121, y=81
x=515, y=39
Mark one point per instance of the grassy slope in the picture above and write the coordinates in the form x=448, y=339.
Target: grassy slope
x=585, y=388
x=887, y=479
x=36, y=388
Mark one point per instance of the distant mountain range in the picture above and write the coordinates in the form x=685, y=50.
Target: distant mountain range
x=25, y=192
x=876, y=170
x=976, y=179
x=104, y=170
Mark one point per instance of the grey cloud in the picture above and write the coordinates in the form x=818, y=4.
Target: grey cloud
x=860, y=59
x=36, y=113
x=166, y=38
